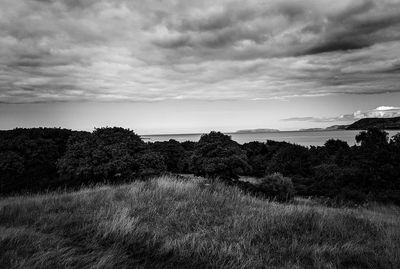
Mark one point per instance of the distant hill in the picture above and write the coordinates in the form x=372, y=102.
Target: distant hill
x=362, y=124
x=257, y=131
x=312, y=129
x=382, y=123
x=336, y=127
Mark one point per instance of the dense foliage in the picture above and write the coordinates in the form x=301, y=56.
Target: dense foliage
x=43, y=158
x=277, y=186
x=108, y=154
x=217, y=155
x=28, y=158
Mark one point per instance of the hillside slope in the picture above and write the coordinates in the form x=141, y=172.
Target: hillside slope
x=167, y=223
x=381, y=123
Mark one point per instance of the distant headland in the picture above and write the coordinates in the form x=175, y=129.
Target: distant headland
x=381, y=123
x=257, y=131
x=362, y=124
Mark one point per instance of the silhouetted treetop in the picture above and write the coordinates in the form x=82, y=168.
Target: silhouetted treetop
x=217, y=155
x=372, y=138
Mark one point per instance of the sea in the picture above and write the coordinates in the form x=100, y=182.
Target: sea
x=304, y=138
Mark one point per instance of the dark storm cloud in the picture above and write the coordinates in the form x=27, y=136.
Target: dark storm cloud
x=357, y=33
x=338, y=45
x=63, y=50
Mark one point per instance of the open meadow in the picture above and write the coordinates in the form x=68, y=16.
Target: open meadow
x=169, y=223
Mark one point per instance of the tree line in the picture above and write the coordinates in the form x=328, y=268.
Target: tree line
x=39, y=159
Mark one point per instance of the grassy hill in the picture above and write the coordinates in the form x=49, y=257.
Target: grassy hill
x=167, y=223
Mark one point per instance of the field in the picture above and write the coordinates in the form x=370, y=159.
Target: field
x=167, y=223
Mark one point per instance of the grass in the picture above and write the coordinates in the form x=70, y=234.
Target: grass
x=166, y=223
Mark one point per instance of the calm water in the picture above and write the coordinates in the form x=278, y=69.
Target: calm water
x=314, y=138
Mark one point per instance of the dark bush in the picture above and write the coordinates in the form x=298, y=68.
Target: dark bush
x=290, y=160
x=172, y=151
x=277, y=187
x=150, y=164
x=38, y=159
x=217, y=155
x=258, y=155
x=11, y=169
x=372, y=138
x=332, y=146
x=107, y=154
x=28, y=158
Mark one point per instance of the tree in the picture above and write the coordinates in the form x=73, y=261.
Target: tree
x=217, y=155
x=172, y=151
x=372, y=138
x=334, y=145
x=185, y=162
x=11, y=168
x=151, y=164
x=258, y=155
x=37, y=153
x=291, y=160
x=106, y=154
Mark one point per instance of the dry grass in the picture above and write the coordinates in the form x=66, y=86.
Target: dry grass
x=167, y=223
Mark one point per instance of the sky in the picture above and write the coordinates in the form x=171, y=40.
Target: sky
x=168, y=66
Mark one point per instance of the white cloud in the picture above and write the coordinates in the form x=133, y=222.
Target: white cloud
x=386, y=108
x=379, y=112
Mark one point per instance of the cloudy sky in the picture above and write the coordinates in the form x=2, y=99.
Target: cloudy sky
x=190, y=66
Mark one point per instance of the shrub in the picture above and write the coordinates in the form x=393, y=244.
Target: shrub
x=373, y=138
x=172, y=151
x=28, y=158
x=341, y=183
x=277, y=186
x=290, y=160
x=11, y=168
x=332, y=146
x=218, y=156
x=151, y=164
x=258, y=155
x=106, y=154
